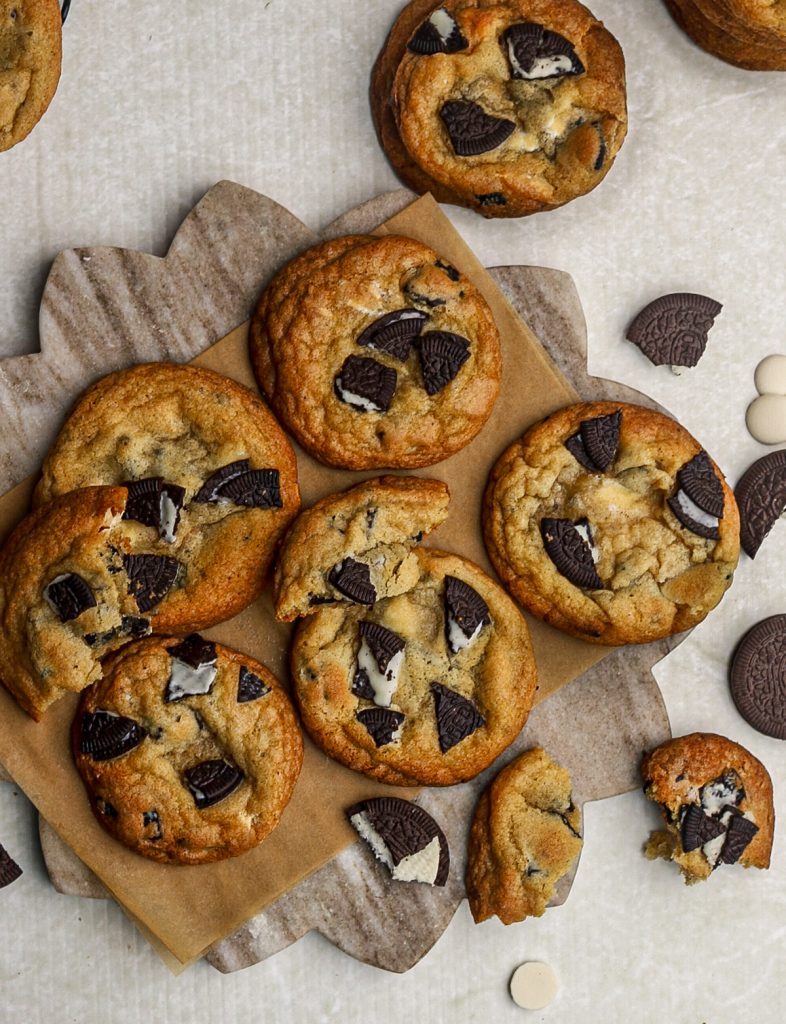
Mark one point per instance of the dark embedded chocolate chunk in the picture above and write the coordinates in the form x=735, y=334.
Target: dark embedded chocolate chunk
x=535, y=52
x=465, y=607
x=381, y=724
x=471, y=129
x=108, y=810
x=570, y=552
x=452, y=273
x=700, y=482
x=361, y=685
x=457, y=717
x=150, y=578
x=672, y=330
x=371, y=515
x=689, y=522
x=601, y=438
x=383, y=643
x=491, y=199
x=212, y=781
x=739, y=832
x=69, y=595
x=250, y=686
x=315, y=599
x=600, y=159
x=394, y=332
x=761, y=496
x=104, y=735
x=758, y=677
x=439, y=33
x=405, y=829
x=194, y=651
x=698, y=828
x=365, y=384
x=442, y=355
x=211, y=489
x=9, y=869
x=151, y=822
x=575, y=446
x=131, y=626
x=419, y=299
x=353, y=580
x=257, y=488
x=143, y=504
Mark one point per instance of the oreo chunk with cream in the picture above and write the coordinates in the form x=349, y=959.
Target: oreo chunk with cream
x=439, y=33
x=365, y=385
x=193, y=669
x=536, y=53
x=404, y=837
x=698, y=500
x=380, y=657
x=466, y=613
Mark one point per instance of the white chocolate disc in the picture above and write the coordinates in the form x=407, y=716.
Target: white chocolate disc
x=533, y=985
x=766, y=419
x=770, y=376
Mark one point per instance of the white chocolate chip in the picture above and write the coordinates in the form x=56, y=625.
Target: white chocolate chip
x=533, y=985
x=770, y=376
x=766, y=419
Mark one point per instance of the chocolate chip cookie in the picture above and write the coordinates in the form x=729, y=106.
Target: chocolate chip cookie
x=750, y=34
x=30, y=52
x=375, y=352
x=426, y=687
x=508, y=108
x=610, y=522
x=525, y=835
x=189, y=751
x=357, y=545
x=716, y=802
x=211, y=478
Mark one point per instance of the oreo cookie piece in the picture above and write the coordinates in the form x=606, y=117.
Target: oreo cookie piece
x=353, y=580
x=9, y=869
x=672, y=330
x=596, y=443
x=404, y=837
x=212, y=781
x=535, y=53
x=698, y=501
x=471, y=130
x=698, y=828
x=761, y=496
x=365, y=384
x=739, y=832
x=569, y=546
x=151, y=823
x=105, y=736
x=394, y=332
x=758, y=677
x=492, y=199
x=68, y=595
x=131, y=626
x=255, y=488
x=361, y=685
x=150, y=578
x=439, y=33
x=154, y=502
x=211, y=490
x=382, y=724
x=193, y=668
x=250, y=687
x=456, y=716
x=379, y=661
x=442, y=355
x=466, y=613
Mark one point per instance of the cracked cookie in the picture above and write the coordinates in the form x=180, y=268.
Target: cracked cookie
x=426, y=687
x=716, y=802
x=189, y=751
x=508, y=108
x=376, y=353
x=610, y=522
x=212, y=480
x=30, y=52
x=750, y=34
x=525, y=835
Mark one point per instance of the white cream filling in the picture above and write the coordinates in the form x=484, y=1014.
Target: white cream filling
x=383, y=683
x=421, y=866
x=47, y=598
x=185, y=681
x=457, y=638
x=544, y=67
x=357, y=400
x=583, y=530
x=167, y=515
x=698, y=515
x=443, y=23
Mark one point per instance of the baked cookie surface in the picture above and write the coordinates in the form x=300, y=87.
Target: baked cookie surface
x=189, y=751
x=212, y=479
x=376, y=353
x=525, y=834
x=30, y=53
x=427, y=687
x=610, y=522
x=750, y=36
x=716, y=801
x=508, y=108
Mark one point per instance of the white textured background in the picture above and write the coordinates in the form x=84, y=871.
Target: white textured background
x=161, y=98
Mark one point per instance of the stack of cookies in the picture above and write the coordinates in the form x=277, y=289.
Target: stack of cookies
x=748, y=33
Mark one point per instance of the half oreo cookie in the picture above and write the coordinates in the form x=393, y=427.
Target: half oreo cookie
x=404, y=837
x=758, y=677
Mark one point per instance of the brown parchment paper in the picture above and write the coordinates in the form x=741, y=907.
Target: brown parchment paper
x=186, y=909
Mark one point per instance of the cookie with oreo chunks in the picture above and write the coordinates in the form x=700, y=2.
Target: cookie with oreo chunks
x=211, y=478
x=610, y=522
x=716, y=802
x=189, y=751
x=427, y=687
x=508, y=108
x=525, y=835
x=376, y=353
x=30, y=57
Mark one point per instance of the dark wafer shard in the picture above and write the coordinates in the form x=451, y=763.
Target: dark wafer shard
x=194, y=651
x=151, y=823
x=439, y=33
x=256, y=488
x=381, y=724
x=353, y=580
x=69, y=596
x=365, y=384
x=383, y=643
x=250, y=686
x=442, y=355
x=570, y=553
x=471, y=130
x=575, y=446
x=131, y=626
x=761, y=496
x=698, y=828
x=104, y=735
x=406, y=830
x=758, y=677
x=739, y=832
x=492, y=199
x=465, y=607
x=150, y=578
x=143, y=504
x=361, y=685
x=9, y=869
x=451, y=271
x=394, y=332
x=211, y=489
x=535, y=52
x=691, y=523
x=601, y=439
x=212, y=781
x=700, y=482
x=672, y=330
x=457, y=717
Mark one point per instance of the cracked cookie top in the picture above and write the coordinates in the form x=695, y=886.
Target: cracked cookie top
x=30, y=51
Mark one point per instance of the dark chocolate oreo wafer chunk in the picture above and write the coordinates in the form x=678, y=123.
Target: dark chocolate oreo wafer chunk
x=9, y=869
x=212, y=781
x=700, y=482
x=758, y=677
x=601, y=438
x=361, y=685
x=211, y=489
x=673, y=329
x=575, y=446
x=256, y=488
x=383, y=643
x=535, y=52
x=131, y=626
x=739, y=832
x=365, y=384
x=457, y=717
x=570, y=553
x=69, y=595
x=761, y=496
x=442, y=355
x=104, y=735
x=471, y=130
x=465, y=608
x=492, y=199
x=698, y=828
x=250, y=687
x=406, y=830
x=381, y=723
x=150, y=578
x=143, y=504
x=439, y=33
x=394, y=332
x=151, y=823
x=194, y=651
x=353, y=580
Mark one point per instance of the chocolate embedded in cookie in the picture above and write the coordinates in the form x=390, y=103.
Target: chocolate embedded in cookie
x=698, y=828
x=442, y=355
x=150, y=578
x=250, y=686
x=596, y=442
x=212, y=489
x=439, y=33
x=404, y=837
x=457, y=717
x=739, y=835
x=105, y=735
x=466, y=613
x=471, y=129
x=380, y=657
x=394, y=332
x=698, y=502
x=536, y=52
x=365, y=384
x=353, y=579
x=569, y=546
x=212, y=781
x=154, y=502
x=673, y=329
x=758, y=676
x=193, y=670
x=382, y=724
x=761, y=496
x=9, y=869
x=69, y=595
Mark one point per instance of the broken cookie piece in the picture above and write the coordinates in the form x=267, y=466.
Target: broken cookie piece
x=404, y=837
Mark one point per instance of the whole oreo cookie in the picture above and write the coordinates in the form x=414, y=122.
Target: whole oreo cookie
x=758, y=677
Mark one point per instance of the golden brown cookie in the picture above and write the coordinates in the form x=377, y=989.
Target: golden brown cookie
x=427, y=687
x=211, y=475
x=357, y=545
x=189, y=751
x=712, y=25
x=525, y=835
x=610, y=522
x=716, y=801
x=30, y=49
x=375, y=352
x=508, y=108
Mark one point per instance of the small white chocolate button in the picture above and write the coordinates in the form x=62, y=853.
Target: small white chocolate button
x=766, y=419
x=533, y=985
x=770, y=376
